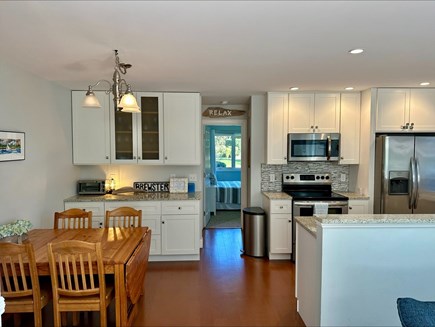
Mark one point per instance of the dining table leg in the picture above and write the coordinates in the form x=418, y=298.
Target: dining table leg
x=120, y=296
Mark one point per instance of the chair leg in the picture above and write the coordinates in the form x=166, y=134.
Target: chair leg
x=64, y=318
x=17, y=319
x=103, y=317
x=57, y=318
x=37, y=316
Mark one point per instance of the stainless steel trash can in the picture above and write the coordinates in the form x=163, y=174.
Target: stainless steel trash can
x=254, y=232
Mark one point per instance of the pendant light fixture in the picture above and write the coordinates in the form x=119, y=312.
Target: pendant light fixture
x=124, y=101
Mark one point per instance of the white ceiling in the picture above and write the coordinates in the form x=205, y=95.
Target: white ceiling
x=226, y=50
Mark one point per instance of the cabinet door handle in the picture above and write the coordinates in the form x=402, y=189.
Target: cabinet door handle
x=350, y=208
x=179, y=208
x=411, y=126
x=289, y=221
x=138, y=158
x=166, y=158
x=317, y=127
x=163, y=222
x=281, y=207
x=341, y=158
x=312, y=126
x=134, y=157
x=107, y=157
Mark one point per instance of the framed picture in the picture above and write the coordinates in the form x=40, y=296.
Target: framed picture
x=11, y=146
x=178, y=185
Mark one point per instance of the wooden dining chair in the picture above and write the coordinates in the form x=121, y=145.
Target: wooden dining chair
x=77, y=279
x=19, y=281
x=123, y=217
x=73, y=218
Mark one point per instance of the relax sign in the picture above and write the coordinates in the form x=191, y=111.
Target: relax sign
x=218, y=112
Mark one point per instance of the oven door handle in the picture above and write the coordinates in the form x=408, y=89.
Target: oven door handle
x=331, y=204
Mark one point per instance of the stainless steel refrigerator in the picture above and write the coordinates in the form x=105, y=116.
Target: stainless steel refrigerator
x=405, y=174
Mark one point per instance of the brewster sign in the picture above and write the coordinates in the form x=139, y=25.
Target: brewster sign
x=218, y=112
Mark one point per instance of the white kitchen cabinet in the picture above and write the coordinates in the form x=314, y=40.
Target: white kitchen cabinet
x=405, y=110
x=357, y=207
x=182, y=128
x=279, y=226
x=277, y=113
x=151, y=218
x=97, y=209
x=314, y=112
x=350, y=122
x=91, y=130
x=180, y=227
x=138, y=137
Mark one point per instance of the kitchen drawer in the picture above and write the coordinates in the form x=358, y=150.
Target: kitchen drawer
x=280, y=206
x=180, y=207
x=152, y=222
x=97, y=208
x=147, y=207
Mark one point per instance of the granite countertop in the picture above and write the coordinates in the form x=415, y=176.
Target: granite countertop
x=133, y=196
x=310, y=223
x=353, y=195
x=277, y=195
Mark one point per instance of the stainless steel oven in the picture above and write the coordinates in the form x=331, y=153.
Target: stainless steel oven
x=309, y=193
x=306, y=208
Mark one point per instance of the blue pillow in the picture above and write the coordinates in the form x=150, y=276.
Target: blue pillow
x=414, y=313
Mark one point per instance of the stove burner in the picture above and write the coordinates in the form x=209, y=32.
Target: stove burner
x=316, y=187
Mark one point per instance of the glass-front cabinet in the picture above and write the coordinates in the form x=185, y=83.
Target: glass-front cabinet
x=138, y=138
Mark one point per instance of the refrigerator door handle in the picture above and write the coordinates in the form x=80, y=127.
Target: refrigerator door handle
x=417, y=184
x=411, y=184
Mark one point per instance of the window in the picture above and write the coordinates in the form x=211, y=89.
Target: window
x=228, y=151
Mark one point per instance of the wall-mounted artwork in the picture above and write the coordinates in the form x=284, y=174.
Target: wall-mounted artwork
x=11, y=146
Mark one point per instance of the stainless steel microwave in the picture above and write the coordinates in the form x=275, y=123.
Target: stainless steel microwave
x=313, y=147
x=95, y=186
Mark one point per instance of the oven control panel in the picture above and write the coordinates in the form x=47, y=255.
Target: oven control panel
x=307, y=179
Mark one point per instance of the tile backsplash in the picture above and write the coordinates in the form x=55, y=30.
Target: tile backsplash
x=332, y=168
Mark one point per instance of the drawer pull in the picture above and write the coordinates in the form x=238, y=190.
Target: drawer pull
x=281, y=207
x=179, y=208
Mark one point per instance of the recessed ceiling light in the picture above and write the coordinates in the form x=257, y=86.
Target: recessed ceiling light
x=356, y=51
x=424, y=83
x=294, y=88
x=350, y=88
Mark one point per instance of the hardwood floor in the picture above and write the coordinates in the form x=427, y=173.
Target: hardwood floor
x=223, y=289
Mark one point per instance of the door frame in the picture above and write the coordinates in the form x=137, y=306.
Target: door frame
x=244, y=164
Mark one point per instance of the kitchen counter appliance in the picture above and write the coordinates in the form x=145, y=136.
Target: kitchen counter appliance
x=91, y=187
x=312, y=194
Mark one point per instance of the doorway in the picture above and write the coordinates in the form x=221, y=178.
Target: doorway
x=224, y=172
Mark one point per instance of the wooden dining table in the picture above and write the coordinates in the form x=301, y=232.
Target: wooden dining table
x=125, y=256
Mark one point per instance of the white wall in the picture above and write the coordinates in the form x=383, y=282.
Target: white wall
x=35, y=188
x=257, y=148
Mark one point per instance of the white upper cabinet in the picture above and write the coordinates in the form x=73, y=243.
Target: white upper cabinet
x=405, y=110
x=301, y=113
x=277, y=111
x=182, y=128
x=137, y=137
x=350, y=128
x=150, y=128
x=314, y=113
x=422, y=110
x=91, y=130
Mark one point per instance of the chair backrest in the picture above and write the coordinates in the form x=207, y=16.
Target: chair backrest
x=123, y=217
x=76, y=269
x=18, y=274
x=73, y=219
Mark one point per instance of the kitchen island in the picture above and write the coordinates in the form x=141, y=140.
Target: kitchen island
x=351, y=269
